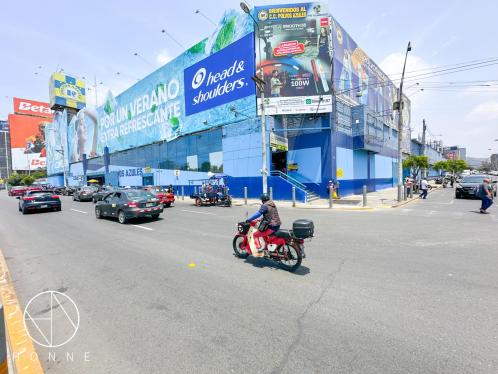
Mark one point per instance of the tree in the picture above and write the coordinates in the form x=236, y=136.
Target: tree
x=14, y=179
x=27, y=180
x=456, y=166
x=440, y=165
x=416, y=163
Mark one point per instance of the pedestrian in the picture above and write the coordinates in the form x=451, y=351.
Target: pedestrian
x=330, y=186
x=408, y=184
x=485, y=195
x=424, y=187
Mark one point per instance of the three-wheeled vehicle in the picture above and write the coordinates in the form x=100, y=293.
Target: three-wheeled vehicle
x=211, y=191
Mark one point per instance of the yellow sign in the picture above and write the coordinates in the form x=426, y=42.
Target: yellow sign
x=147, y=169
x=66, y=91
x=340, y=173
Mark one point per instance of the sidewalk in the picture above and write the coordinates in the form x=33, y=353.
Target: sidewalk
x=383, y=199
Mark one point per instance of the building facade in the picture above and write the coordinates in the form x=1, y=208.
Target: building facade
x=331, y=115
x=5, y=163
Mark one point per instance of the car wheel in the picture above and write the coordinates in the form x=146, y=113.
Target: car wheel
x=19, y=206
x=24, y=211
x=98, y=214
x=122, y=217
x=198, y=202
x=458, y=196
x=155, y=217
x=167, y=205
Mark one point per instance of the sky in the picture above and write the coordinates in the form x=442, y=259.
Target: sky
x=114, y=43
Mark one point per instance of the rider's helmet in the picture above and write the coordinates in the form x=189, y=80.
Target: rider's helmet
x=265, y=197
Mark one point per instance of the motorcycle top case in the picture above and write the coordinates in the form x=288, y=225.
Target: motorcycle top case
x=303, y=228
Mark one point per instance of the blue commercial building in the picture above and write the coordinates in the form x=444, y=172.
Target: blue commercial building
x=329, y=114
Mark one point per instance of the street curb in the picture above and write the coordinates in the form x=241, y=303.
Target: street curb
x=414, y=199
x=24, y=358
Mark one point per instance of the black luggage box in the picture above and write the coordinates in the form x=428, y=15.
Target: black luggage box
x=303, y=228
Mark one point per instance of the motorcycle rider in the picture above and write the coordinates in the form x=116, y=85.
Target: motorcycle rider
x=270, y=216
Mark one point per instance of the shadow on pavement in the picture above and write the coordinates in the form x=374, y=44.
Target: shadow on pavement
x=263, y=262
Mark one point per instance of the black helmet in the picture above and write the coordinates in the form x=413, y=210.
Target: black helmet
x=265, y=197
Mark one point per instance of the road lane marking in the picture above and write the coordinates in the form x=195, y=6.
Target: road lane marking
x=143, y=227
x=193, y=211
x=79, y=211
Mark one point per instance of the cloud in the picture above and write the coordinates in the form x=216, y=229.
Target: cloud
x=486, y=111
x=163, y=57
x=392, y=64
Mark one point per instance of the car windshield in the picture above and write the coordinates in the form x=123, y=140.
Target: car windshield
x=137, y=194
x=473, y=179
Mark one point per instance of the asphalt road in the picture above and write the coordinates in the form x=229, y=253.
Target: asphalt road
x=406, y=290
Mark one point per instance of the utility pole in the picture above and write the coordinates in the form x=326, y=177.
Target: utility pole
x=260, y=82
x=400, y=128
x=424, y=129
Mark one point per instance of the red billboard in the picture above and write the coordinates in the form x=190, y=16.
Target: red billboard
x=32, y=108
x=27, y=139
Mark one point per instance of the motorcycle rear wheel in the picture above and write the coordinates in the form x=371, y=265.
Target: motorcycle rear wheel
x=238, y=241
x=294, y=254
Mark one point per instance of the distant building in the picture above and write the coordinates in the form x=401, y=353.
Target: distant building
x=455, y=153
x=476, y=162
x=433, y=151
x=5, y=163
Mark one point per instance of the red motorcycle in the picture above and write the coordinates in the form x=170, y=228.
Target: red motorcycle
x=284, y=246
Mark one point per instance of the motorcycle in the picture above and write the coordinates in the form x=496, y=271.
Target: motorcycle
x=286, y=247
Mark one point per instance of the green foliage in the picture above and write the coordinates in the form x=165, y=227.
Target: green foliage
x=27, y=180
x=39, y=174
x=416, y=163
x=440, y=165
x=456, y=166
x=14, y=179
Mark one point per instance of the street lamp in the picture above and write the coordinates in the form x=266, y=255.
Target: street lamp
x=260, y=83
x=399, y=106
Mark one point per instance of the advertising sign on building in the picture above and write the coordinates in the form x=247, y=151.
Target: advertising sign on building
x=27, y=139
x=4, y=126
x=56, y=143
x=293, y=54
x=358, y=80
x=202, y=88
x=220, y=78
x=32, y=108
x=66, y=91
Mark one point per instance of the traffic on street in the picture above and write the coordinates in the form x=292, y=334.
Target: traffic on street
x=248, y=187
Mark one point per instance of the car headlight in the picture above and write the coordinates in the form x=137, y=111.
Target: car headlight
x=458, y=186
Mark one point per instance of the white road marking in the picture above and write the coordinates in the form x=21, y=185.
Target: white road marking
x=79, y=211
x=143, y=227
x=193, y=211
x=431, y=212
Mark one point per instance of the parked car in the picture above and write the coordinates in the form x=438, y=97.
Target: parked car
x=467, y=187
x=165, y=196
x=39, y=200
x=85, y=193
x=128, y=204
x=99, y=195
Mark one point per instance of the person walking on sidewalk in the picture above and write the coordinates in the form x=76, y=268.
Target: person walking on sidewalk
x=424, y=186
x=408, y=184
x=485, y=195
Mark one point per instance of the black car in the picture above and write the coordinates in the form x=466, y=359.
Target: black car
x=127, y=204
x=85, y=193
x=39, y=200
x=468, y=186
x=99, y=195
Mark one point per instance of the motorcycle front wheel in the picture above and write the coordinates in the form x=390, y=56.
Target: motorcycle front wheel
x=290, y=256
x=238, y=243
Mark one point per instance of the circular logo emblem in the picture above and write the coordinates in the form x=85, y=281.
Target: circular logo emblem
x=263, y=15
x=70, y=91
x=51, y=319
x=198, y=78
